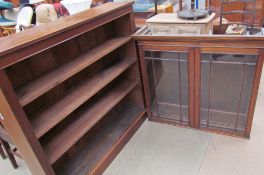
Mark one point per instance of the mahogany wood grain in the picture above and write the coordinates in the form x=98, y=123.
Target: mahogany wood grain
x=197, y=87
x=259, y=13
x=15, y=48
x=102, y=145
x=132, y=23
x=197, y=40
x=145, y=81
x=169, y=121
x=244, y=51
x=20, y=131
x=72, y=133
x=215, y=5
x=52, y=78
x=63, y=83
x=76, y=97
x=254, y=93
x=191, y=85
x=172, y=122
x=14, y=42
x=119, y=144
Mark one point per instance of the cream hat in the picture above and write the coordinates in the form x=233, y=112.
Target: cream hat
x=45, y=13
x=35, y=1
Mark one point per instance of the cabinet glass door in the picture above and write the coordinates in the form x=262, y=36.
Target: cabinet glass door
x=226, y=85
x=168, y=84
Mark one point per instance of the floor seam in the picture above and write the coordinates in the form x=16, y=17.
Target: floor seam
x=205, y=154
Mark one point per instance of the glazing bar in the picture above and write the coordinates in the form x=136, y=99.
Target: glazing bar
x=179, y=72
x=226, y=62
x=240, y=95
x=155, y=87
x=164, y=59
x=209, y=93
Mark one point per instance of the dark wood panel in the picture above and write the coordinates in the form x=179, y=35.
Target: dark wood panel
x=56, y=84
x=216, y=6
x=87, y=119
x=18, y=128
x=254, y=92
x=98, y=145
x=77, y=96
x=191, y=83
x=197, y=87
x=44, y=39
x=44, y=83
x=14, y=42
x=119, y=144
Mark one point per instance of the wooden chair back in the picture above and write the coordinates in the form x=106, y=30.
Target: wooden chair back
x=5, y=149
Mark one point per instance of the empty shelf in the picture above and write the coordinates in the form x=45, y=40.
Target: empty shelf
x=52, y=78
x=47, y=119
x=101, y=143
x=87, y=119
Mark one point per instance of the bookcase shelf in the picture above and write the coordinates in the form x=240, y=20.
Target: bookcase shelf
x=76, y=97
x=100, y=143
x=87, y=119
x=52, y=78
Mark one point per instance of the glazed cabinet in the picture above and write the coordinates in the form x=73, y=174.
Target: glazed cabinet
x=204, y=82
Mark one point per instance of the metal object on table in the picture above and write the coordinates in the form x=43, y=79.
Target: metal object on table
x=193, y=13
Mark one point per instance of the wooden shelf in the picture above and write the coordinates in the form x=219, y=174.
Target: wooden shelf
x=98, y=146
x=47, y=119
x=87, y=119
x=52, y=78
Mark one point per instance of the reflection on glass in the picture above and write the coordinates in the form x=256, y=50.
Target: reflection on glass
x=168, y=82
x=226, y=82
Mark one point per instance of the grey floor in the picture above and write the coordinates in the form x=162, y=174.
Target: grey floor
x=159, y=149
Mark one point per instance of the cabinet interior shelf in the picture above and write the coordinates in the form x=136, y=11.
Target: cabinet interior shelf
x=86, y=120
x=97, y=146
x=47, y=119
x=34, y=89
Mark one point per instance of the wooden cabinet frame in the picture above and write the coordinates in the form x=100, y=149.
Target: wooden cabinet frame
x=195, y=46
